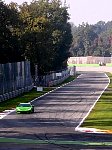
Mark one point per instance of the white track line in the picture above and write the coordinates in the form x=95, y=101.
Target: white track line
x=81, y=129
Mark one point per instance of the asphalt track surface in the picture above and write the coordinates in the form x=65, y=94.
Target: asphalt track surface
x=52, y=126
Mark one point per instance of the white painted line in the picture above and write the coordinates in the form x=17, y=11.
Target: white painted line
x=89, y=130
x=78, y=128
x=5, y=113
x=53, y=90
x=2, y=113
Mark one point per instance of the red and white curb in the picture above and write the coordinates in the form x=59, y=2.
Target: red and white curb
x=90, y=130
x=5, y=113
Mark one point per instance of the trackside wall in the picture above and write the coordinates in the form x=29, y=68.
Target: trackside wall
x=15, y=78
x=89, y=60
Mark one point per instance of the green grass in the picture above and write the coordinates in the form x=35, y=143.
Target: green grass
x=89, y=65
x=101, y=115
x=84, y=65
x=109, y=65
x=27, y=97
x=71, y=78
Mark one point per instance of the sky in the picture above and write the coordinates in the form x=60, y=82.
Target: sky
x=87, y=11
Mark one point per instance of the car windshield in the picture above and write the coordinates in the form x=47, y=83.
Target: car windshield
x=24, y=105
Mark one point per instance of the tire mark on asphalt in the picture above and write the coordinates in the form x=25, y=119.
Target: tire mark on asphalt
x=70, y=116
x=46, y=136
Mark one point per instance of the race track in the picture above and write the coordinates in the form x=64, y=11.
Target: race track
x=56, y=116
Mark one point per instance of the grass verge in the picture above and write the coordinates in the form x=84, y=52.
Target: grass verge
x=84, y=65
x=101, y=115
x=71, y=78
x=89, y=65
x=27, y=97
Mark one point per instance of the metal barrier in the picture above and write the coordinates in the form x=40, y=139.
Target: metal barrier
x=52, y=78
x=15, y=78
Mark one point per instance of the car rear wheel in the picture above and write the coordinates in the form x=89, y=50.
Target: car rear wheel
x=32, y=111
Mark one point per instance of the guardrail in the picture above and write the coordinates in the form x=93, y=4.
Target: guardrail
x=15, y=78
x=15, y=93
x=52, y=78
x=55, y=82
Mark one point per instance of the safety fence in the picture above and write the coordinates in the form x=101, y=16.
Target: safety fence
x=89, y=60
x=52, y=78
x=15, y=78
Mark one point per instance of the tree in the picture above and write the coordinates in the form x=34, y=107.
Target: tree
x=9, y=45
x=93, y=40
x=84, y=40
x=38, y=32
x=46, y=34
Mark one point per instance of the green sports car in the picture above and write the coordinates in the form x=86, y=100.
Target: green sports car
x=24, y=108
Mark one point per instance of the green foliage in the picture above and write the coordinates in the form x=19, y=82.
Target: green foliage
x=94, y=40
x=9, y=43
x=38, y=32
x=46, y=35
